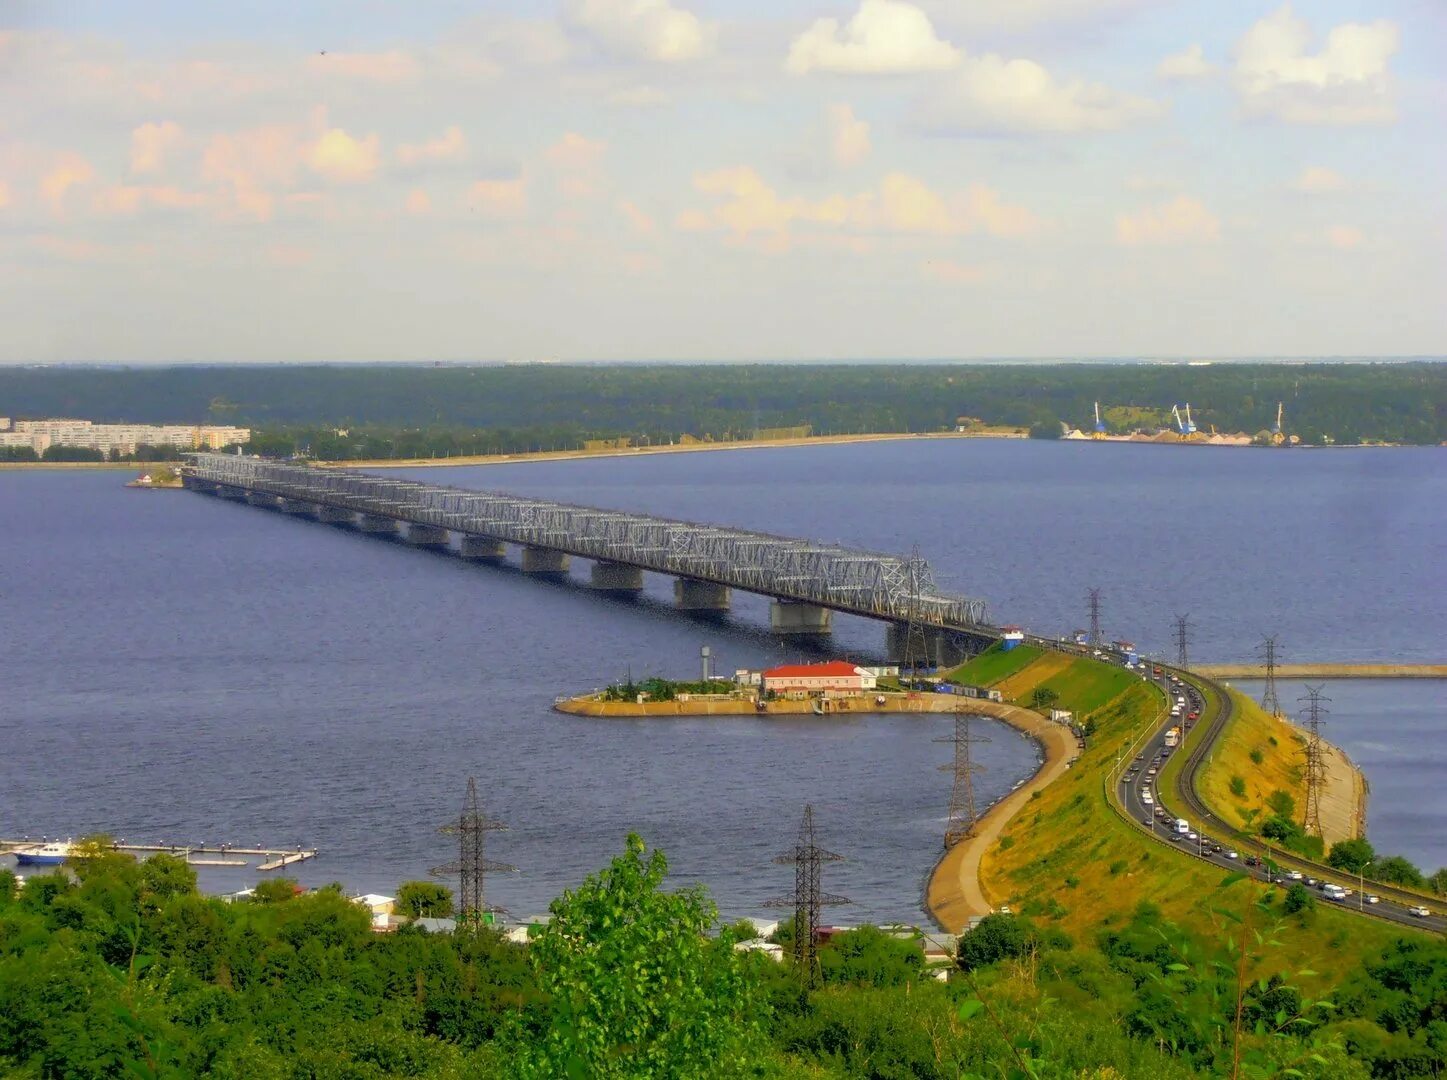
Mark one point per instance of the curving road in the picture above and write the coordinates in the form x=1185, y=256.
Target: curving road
x=1208, y=837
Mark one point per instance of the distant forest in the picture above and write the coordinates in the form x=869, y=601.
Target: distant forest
x=407, y=411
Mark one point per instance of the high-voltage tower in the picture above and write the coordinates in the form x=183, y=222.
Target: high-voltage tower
x=963, y=815
x=916, y=647
x=1183, y=633
x=471, y=866
x=1269, y=700
x=807, y=857
x=843, y=579
x=1315, y=759
x=1092, y=598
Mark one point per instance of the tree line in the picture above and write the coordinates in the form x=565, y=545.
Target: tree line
x=340, y=412
x=123, y=969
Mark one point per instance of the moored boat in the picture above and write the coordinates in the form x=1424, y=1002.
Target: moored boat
x=52, y=854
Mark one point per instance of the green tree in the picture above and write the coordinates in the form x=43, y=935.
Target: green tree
x=1351, y=855
x=1437, y=882
x=995, y=937
x=870, y=957
x=1297, y=899
x=1397, y=870
x=1238, y=787
x=1043, y=698
x=428, y=899
x=635, y=987
x=1281, y=804
x=274, y=890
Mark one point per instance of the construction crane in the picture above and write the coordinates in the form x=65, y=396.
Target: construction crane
x=1190, y=426
x=1276, y=427
x=1099, y=424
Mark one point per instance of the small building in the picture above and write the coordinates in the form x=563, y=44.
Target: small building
x=380, y=907
x=1012, y=637
x=745, y=677
x=833, y=679
x=983, y=693
x=1062, y=716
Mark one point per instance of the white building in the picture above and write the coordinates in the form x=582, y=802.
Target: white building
x=40, y=435
x=835, y=677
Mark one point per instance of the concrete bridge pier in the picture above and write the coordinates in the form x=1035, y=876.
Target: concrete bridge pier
x=230, y=492
x=943, y=648
x=260, y=498
x=794, y=619
x=195, y=483
x=296, y=506
x=334, y=515
x=611, y=577
x=376, y=524
x=483, y=548
x=420, y=535
x=545, y=561
x=689, y=594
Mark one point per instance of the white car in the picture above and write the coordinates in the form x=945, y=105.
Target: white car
x=1232, y=854
x=1420, y=911
x=1295, y=875
x=1372, y=899
x=1193, y=837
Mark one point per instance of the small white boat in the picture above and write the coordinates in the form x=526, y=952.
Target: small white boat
x=52, y=854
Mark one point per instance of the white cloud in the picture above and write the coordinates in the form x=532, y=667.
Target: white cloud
x=576, y=152
x=955, y=273
x=418, y=202
x=1183, y=220
x=885, y=37
x=70, y=170
x=1018, y=14
x=1190, y=63
x=848, y=136
x=393, y=66
x=990, y=94
x=342, y=158
x=451, y=145
x=150, y=143
x=1347, y=82
x=644, y=29
x=1319, y=180
x=1345, y=237
x=637, y=217
x=499, y=198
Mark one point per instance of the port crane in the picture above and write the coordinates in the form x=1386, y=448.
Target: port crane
x=1183, y=424
x=1276, y=427
x=1099, y=424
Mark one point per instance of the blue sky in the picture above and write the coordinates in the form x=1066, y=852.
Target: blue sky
x=683, y=179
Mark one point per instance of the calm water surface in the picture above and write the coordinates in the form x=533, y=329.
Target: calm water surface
x=175, y=667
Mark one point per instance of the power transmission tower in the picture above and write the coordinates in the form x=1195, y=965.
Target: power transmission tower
x=916, y=646
x=807, y=897
x=1093, y=598
x=1183, y=628
x=1315, y=759
x=471, y=826
x=1267, y=652
x=963, y=815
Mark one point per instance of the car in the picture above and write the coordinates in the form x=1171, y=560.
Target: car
x=1312, y=883
x=1231, y=853
x=1192, y=715
x=1149, y=823
x=1176, y=837
x=1372, y=899
x=1278, y=880
x=1193, y=837
x=1419, y=911
x=1295, y=875
x=1252, y=860
x=1216, y=849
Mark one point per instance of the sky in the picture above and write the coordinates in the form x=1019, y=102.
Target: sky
x=361, y=180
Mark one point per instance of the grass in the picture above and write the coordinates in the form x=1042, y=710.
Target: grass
x=1281, y=767
x=994, y=664
x=1071, y=835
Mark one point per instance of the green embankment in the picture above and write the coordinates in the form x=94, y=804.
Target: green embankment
x=994, y=664
x=1070, y=859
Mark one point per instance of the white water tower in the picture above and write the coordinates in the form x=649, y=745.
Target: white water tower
x=705, y=654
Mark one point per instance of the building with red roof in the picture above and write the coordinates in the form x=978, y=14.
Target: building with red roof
x=829, y=679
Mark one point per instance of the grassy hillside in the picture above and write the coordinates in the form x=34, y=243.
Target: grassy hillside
x=1070, y=860
x=994, y=664
x=1258, y=754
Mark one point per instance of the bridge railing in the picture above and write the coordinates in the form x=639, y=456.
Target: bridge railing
x=847, y=579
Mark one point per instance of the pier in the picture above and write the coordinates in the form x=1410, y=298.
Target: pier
x=210, y=854
x=807, y=581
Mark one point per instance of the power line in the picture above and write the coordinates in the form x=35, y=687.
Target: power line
x=470, y=867
x=807, y=898
x=916, y=645
x=1315, y=759
x=963, y=814
x=1269, y=700
x=1183, y=628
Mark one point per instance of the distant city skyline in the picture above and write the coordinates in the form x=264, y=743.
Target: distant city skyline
x=712, y=180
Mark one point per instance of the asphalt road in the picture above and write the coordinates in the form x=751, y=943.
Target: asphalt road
x=1214, y=842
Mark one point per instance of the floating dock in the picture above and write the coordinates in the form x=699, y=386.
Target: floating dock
x=197, y=854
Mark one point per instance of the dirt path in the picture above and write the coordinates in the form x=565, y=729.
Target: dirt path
x=954, y=893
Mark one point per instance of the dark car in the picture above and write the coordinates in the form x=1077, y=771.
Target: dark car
x=1252, y=860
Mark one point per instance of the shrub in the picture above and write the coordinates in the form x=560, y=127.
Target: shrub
x=1298, y=899
x=1006, y=842
x=1238, y=787
x=1281, y=803
x=1351, y=855
x=1257, y=756
x=1117, y=867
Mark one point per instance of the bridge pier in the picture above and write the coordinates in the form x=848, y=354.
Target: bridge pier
x=614, y=577
x=227, y=492
x=334, y=515
x=483, y=548
x=795, y=619
x=296, y=506
x=690, y=594
x=263, y=500
x=376, y=524
x=195, y=483
x=420, y=535
x=943, y=648
x=547, y=561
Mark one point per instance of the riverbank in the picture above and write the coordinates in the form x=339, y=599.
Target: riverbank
x=1349, y=670
x=701, y=705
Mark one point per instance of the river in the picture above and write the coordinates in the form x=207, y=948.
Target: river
x=179, y=668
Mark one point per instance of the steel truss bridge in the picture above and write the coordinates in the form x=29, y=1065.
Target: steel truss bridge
x=792, y=571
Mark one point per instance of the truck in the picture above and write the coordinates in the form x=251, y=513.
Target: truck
x=1333, y=892
x=1173, y=737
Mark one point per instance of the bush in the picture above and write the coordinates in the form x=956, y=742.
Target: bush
x=1298, y=899
x=1257, y=757
x=1117, y=867
x=1396, y=870
x=1281, y=804
x=1238, y=787
x=1006, y=842
x=1351, y=855
x=994, y=938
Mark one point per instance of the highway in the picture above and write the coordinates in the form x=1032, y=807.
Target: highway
x=1156, y=810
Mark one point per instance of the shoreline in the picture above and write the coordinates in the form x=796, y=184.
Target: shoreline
x=1372, y=669
x=953, y=892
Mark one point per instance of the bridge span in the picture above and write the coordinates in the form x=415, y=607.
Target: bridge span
x=806, y=581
